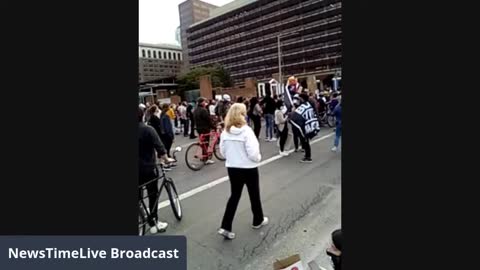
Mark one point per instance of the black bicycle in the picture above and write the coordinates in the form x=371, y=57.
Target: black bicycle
x=326, y=117
x=169, y=185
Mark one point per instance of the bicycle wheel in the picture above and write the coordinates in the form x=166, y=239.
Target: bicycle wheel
x=194, y=157
x=217, y=153
x=142, y=222
x=331, y=120
x=173, y=198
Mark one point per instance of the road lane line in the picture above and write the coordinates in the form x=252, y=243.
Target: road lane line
x=225, y=178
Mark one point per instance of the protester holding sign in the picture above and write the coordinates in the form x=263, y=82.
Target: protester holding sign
x=305, y=121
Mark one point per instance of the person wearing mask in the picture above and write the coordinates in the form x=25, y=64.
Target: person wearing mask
x=255, y=114
x=182, y=114
x=240, y=147
x=281, y=122
x=149, y=143
x=203, y=122
x=269, y=110
x=191, y=120
x=166, y=128
x=337, y=112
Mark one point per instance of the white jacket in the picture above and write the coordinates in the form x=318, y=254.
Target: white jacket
x=240, y=147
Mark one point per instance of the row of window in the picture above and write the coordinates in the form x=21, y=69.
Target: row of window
x=159, y=55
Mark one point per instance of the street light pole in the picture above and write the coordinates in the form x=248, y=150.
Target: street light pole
x=280, y=56
x=279, y=64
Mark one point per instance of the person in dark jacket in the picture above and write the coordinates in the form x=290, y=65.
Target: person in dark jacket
x=255, y=114
x=204, y=122
x=154, y=119
x=149, y=143
x=269, y=110
x=166, y=129
x=337, y=112
x=191, y=120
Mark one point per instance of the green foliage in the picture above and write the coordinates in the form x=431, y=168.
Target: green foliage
x=219, y=75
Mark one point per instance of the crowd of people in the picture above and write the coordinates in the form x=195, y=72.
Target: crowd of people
x=294, y=115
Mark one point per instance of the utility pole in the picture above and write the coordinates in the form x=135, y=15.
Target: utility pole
x=279, y=36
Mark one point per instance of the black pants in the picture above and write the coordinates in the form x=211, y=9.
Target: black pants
x=283, y=137
x=185, y=127
x=306, y=146
x=257, y=125
x=152, y=189
x=296, y=136
x=167, y=142
x=192, y=128
x=239, y=178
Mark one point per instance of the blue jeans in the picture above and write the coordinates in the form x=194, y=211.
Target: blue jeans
x=269, y=126
x=338, y=135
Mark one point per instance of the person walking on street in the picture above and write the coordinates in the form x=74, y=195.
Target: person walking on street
x=269, y=110
x=255, y=113
x=204, y=123
x=281, y=122
x=337, y=112
x=191, y=120
x=182, y=113
x=240, y=147
x=222, y=107
x=149, y=143
x=166, y=129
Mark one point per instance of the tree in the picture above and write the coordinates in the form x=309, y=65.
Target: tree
x=219, y=76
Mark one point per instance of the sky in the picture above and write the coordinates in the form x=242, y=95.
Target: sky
x=158, y=19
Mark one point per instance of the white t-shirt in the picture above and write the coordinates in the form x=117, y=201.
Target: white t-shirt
x=211, y=108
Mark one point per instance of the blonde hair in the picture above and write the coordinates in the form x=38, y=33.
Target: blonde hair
x=236, y=116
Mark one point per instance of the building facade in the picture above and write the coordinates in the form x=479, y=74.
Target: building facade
x=246, y=36
x=158, y=61
x=190, y=12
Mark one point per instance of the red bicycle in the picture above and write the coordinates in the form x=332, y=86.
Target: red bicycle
x=199, y=153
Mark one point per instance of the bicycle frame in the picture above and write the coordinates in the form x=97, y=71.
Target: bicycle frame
x=143, y=207
x=203, y=143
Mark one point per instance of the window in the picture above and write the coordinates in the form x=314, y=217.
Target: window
x=179, y=56
x=164, y=55
x=143, y=53
x=154, y=54
x=149, y=54
x=160, y=54
x=169, y=55
x=174, y=56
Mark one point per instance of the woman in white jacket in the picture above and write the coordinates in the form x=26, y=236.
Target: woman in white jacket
x=240, y=147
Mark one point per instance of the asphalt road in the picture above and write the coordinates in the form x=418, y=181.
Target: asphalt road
x=301, y=200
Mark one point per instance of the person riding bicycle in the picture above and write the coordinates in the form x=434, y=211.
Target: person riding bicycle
x=204, y=123
x=148, y=143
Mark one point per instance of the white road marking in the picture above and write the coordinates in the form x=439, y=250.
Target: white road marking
x=225, y=178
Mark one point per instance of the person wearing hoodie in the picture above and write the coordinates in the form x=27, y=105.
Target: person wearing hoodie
x=240, y=147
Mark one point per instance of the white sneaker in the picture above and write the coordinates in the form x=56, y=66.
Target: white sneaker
x=208, y=162
x=227, y=234
x=334, y=149
x=265, y=222
x=284, y=154
x=160, y=227
x=273, y=139
x=267, y=139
